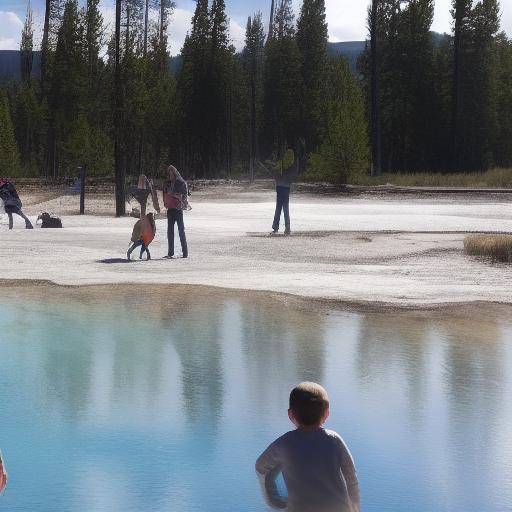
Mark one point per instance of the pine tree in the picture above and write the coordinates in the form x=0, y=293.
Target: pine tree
x=312, y=44
x=220, y=77
x=194, y=93
x=68, y=93
x=27, y=47
x=503, y=106
x=344, y=152
x=9, y=155
x=253, y=60
x=461, y=13
x=474, y=93
x=282, y=84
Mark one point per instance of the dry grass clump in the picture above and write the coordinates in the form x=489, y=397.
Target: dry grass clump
x=496, y=247
x=494, y=178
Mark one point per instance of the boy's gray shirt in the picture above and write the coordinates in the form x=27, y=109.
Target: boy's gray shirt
x=318, y=471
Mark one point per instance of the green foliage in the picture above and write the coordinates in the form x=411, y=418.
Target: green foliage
x=282, y=84
x=343, y=154
x=27, y=47
x=312, y=43
x=446, y=104
x=9, y=157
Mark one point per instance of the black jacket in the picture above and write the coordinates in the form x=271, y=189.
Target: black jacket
x=9, y=195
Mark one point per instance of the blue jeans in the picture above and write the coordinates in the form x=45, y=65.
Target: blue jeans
x=175, y=216
x=143, y=249
x=282, y=204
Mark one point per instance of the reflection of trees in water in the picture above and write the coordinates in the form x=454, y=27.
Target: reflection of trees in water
x=76, y=339
x=391, y=345
x=282, y=346
x=194, y=329
x=455, y=364
x=475, y=380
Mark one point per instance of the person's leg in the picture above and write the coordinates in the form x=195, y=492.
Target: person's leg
x=142, y=250
x=286, y=209
x=28, y=224
x=279, y=207
x=9, y=214
x=171, y=219
x=133, y=247
x=183, y=237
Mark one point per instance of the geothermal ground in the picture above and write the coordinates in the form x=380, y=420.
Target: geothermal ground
x=403, y=250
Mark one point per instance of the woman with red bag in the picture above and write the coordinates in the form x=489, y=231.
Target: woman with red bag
x=175, y=192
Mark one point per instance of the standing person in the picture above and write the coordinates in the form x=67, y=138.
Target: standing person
x=3, y=475
x=317, y=467
x=175, y=194
x=287, y=173
x=142, y=191
x=12, y=203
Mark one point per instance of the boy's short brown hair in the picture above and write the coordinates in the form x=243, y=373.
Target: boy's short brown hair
x=309, y=402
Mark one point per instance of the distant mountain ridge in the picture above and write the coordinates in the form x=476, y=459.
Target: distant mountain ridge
x=351, y=50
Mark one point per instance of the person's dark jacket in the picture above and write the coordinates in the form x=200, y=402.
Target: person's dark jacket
x=9, y=195
x=179, y=187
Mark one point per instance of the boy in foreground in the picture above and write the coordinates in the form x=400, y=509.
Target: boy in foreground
x=316, y=465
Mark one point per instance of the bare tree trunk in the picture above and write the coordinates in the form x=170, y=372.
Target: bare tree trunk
x=375, y=94
x=120, y=171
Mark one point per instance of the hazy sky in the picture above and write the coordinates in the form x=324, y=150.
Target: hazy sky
x=346, y=18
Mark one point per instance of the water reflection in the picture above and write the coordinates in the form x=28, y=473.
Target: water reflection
x=162, y=402
x=194, y=330
x=282, y=346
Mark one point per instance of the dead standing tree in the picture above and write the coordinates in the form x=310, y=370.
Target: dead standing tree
x=119, y=167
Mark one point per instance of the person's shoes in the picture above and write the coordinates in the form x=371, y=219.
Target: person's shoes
x=185, y=256
x=274, y=232
x=29, y=226
x=287, y=232
x=128, y=256
x=169, y=257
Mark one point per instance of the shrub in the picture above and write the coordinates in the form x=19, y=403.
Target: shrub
x=497, y=247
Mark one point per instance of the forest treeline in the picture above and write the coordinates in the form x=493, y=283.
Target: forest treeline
x=445, y=104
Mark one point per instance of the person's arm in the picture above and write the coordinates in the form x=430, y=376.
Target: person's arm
x=349, y=473
x=268, y=469
x=3, y=475
x=154, y=196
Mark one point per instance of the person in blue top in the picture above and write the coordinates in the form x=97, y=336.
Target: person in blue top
x=12, y=203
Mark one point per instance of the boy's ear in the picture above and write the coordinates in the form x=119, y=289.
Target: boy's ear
x=326, y=415
x=292, y=418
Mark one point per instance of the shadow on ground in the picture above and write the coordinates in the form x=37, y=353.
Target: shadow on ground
x=110, y=261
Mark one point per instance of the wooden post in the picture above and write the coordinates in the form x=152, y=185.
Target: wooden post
x=83, y=174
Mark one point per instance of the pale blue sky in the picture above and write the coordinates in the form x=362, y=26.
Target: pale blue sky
x=346, y=18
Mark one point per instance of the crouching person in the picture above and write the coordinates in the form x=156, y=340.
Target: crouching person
x=143, y=234
x=12, y=203
x=316, y=465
